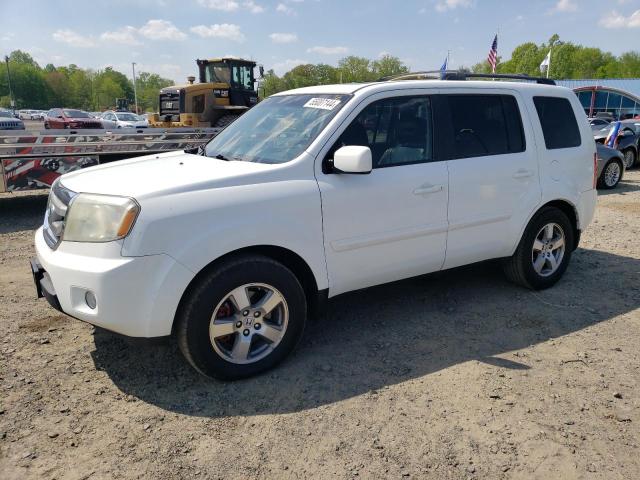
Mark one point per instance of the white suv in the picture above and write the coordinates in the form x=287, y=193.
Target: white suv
x=312, y=193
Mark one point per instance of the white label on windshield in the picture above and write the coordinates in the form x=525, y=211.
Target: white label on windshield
x=322, y=103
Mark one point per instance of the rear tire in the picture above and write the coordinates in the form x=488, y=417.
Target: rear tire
x=225, y=120
x=611, y=175
x=267, y=336
x=629, y=158
x=544, y=251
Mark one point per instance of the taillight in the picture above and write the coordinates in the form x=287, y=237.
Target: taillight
x=595, y=170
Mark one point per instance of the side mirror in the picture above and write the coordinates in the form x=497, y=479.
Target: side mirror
x=352, y=159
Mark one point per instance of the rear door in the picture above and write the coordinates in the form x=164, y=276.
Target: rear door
x=493, y=172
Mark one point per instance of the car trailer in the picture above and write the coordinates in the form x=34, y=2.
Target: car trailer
x=35, y=159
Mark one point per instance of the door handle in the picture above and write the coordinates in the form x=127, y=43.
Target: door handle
x=425, y=189
x=522, y=173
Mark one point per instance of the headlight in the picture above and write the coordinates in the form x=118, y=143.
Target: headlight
x=99, y=218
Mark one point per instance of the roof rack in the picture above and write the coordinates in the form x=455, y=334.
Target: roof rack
x=464, y=75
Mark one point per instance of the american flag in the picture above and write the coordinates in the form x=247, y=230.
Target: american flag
x=493, y=54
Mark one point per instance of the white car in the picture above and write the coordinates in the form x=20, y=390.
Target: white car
x=312, y=193
x=28, y=114
x=111, y=119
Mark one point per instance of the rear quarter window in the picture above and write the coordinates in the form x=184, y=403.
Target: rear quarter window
x=558, y=121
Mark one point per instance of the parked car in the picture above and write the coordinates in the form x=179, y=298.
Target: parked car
x=598, y=123
x=610, y=166
x=112, y=119
x=298, y=200
x=9, y=122
x=627, y=141
x=70, y=118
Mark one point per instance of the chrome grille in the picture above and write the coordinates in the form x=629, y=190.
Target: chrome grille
x=59, y=200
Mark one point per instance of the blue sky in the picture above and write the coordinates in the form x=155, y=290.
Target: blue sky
x=166, y=36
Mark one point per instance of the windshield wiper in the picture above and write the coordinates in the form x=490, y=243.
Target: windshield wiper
x=199, y=150
x=221, y=157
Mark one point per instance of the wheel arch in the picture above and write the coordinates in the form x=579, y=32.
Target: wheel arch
x=565, y=206
x=290, y=259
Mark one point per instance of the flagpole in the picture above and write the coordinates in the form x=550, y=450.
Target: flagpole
x=549, y=66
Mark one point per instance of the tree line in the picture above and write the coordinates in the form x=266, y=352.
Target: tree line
x=349, y=69
x=74, y=87
x=568, y=61
x=69, y=86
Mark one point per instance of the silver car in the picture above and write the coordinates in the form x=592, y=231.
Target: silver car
x=611, y=166
x=111, y=119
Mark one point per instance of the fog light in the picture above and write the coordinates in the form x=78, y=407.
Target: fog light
x=90, y=299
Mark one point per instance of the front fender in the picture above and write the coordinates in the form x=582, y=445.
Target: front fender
x=196, y=228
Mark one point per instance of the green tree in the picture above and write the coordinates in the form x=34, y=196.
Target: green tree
x=107, y=90
x=355, y=69
x=568, y=60
x=148, y=87
x=271, y=84
x=387, y=66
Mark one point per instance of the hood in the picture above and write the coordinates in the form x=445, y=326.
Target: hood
x=161, y=174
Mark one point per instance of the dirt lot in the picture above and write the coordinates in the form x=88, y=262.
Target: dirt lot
x=452, y=375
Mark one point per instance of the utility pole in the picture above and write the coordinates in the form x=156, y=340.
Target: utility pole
x=135, y=91
x=13, y=101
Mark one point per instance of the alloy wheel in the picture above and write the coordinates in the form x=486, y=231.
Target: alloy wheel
x=548, y=249
x=249, y=323
x=612, y=174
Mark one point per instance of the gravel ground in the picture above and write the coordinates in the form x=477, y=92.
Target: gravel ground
x=453, y=375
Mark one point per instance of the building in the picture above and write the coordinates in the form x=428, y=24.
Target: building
x=620, y=97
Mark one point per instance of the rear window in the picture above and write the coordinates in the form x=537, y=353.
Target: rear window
x=485, y=125
x=558, y=122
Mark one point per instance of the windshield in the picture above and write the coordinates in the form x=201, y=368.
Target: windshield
x=217, y=72
x=75, y=114
x=276, y=130
x=5, y=114
x=127, y=117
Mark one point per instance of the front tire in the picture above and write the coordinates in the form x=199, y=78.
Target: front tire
x=544, y=251
x=242, y=318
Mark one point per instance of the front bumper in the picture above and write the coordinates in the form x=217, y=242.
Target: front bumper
x=135, y=296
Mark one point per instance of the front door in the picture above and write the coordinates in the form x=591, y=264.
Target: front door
x=391, y=223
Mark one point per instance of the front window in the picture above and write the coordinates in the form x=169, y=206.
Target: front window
x=277, y=130
x=75, y=114
x=217, y=72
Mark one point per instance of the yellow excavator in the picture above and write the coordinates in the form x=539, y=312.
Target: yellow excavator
x=226, y=90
